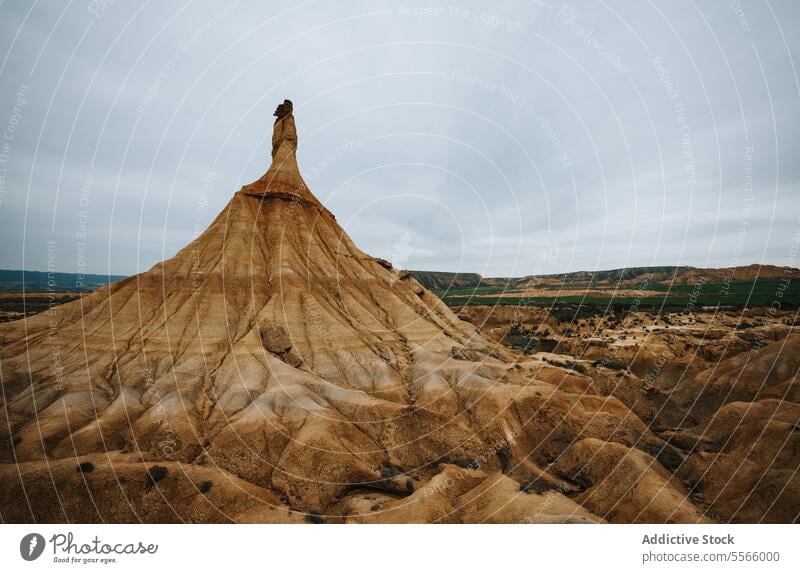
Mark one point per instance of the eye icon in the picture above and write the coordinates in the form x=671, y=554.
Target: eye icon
x=31, y=546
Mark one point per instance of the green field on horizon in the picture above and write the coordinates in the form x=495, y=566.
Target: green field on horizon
x=759, y=293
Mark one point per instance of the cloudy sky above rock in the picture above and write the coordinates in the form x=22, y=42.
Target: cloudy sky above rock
x=508, y=138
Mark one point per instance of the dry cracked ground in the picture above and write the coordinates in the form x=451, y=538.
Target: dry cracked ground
x=273, y=372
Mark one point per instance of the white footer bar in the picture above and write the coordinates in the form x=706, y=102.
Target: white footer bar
x=390, y=548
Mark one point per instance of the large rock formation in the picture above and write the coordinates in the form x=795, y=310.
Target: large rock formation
x=271, y=371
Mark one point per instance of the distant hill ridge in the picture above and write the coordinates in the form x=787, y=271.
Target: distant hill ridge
x=438, y=280
x=31, y=281
x=14, y=280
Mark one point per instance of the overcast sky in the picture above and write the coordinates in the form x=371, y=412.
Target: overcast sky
x=506, y=138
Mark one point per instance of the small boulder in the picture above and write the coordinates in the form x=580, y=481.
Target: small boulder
x=292, y=359
x=276, y=339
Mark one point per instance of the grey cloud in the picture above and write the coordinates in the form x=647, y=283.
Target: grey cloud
x=448, y=136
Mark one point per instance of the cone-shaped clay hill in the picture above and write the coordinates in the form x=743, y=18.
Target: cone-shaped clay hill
x=273, y=372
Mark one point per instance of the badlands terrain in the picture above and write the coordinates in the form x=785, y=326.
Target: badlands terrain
x=273, y=372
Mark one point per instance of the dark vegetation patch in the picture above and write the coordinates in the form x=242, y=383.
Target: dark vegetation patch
x=530, y=340
x=315, y=517
x=155, y=474
x=389, y=471
x=541, y=485
x=12, y=308
x=609, y=363
x=580, y=479
x=503, y=456
x=85, y=467
x=465, y=463
x=569, y=364
x=666, y=455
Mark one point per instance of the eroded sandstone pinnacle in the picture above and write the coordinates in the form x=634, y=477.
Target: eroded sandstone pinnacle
x=282, y=180
x=284, y=130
